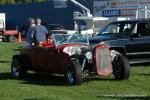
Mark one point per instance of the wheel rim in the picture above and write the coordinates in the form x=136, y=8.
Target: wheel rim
x=12, y=38
x=15, y=68
x=70, y=76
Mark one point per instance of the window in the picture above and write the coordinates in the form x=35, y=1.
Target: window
x=112, y=28
x=120, y=28
x=143, y=29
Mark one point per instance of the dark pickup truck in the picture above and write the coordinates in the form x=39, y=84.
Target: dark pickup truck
x=130, y=38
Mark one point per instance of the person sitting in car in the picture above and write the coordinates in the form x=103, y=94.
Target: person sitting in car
x=49, y=42
x=50, y=39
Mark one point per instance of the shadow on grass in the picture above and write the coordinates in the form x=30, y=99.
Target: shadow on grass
x=141, y=65
x=5, y=61
x=56, y=80
x=37, y=79
x=142, y=74
x=18, y=49
x=126, y=97
x=99, y=78
x=6, y=76
x=46, y=80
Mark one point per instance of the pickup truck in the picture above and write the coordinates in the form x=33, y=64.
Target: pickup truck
x=130, y=38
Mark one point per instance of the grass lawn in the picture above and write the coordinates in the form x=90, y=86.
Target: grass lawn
x=38, y=87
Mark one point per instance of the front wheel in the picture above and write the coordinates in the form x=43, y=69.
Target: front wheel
x=5, y=39
x=121, y=67
x=74, y=74
x=16, y=69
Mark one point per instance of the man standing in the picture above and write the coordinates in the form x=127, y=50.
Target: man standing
x=39, y=33
x=31, y=24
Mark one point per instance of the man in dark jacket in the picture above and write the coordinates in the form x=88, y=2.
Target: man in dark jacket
x=39, y=33
x=31, y=23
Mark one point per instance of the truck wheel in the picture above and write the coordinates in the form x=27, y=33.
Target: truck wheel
x=12, y=38
x=74, y=74
x=16, y=69
x=121, y=67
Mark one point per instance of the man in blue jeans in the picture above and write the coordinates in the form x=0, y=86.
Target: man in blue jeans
x=39, y=33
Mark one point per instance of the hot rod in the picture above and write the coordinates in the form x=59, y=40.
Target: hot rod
x=71, y=55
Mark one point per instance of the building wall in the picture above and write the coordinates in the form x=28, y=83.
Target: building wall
x=17, y=14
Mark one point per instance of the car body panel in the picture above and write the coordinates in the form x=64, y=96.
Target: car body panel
x=45, y=59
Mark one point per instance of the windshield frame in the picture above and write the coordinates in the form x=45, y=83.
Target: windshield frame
x=60, y=39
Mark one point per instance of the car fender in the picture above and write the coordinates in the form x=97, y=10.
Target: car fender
x=121, y=50
x=24, y=60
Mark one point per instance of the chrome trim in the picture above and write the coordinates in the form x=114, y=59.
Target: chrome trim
x=139, y=53
x=137, y=61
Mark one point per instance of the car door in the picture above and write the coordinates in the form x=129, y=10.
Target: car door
x=138, y=47
x=47, y=59
x=31, y=52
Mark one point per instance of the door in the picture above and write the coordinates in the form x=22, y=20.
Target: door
x=138, y=47
x=47, y=59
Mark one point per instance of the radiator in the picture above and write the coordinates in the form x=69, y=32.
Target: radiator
x=103, y=61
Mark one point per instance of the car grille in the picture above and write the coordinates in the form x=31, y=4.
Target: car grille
x=103, y=61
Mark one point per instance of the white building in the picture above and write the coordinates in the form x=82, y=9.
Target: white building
x=122, y=9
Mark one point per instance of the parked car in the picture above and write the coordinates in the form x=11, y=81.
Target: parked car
x=56, y=29
x=71, y=56
x=130, y=38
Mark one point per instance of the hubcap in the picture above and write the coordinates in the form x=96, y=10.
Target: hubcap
x=15, y=68
x=70, y=76
x=15, y=72
x=11, y=38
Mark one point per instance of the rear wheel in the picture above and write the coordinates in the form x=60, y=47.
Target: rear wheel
x=121, y=67
x=12, y=38
x=16, y=69
x=74, y=74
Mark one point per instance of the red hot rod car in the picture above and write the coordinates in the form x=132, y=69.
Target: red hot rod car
x=72, y=56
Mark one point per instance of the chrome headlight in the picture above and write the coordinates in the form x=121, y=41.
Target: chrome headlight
x=88, y=55
x=113, y=54
x=71, y=50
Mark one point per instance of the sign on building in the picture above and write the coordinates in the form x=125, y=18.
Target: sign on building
x=60, y=3
x=119, y=8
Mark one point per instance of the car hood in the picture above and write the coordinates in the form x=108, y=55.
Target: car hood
x=104, y=37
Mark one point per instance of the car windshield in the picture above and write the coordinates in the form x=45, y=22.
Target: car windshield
x=118, y=28
x=60, y=39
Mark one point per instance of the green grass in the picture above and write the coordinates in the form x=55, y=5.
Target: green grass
x=40, y=87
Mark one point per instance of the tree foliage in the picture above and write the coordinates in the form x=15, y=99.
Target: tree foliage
x=20, y=1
